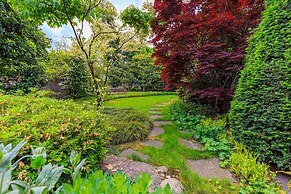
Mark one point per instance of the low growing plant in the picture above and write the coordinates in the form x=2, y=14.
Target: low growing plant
x=49, y=176
x=255, y=176
x=58, y=125
x=98, y=183
x=130, y=125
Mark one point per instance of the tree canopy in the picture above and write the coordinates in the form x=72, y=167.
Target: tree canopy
x=23, y=49
x=201, y=45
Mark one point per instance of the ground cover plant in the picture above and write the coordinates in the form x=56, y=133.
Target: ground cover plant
x=190, y=117
x=260, y=112
x=48, y=176
x=255, y=177
x=58, y=125
x=130, y=125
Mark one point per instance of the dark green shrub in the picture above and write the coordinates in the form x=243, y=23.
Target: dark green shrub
x=60, y=126
x=260, y=112
x=130, y=125
x=77, y=84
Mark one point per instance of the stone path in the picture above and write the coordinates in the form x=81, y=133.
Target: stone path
x=155, y=132
x=205, y=168
x=191, y=144
x=132, y=168
x=210, y=169
x=130, y=152
x=156, y=117
x=159, y=123
x=153, y=143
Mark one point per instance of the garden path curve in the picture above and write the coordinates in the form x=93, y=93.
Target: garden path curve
x=205, y=168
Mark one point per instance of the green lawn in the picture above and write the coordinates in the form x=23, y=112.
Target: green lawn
x=140, y=103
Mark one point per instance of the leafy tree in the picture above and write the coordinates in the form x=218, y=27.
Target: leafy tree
x=148, y=73
x=136, y=71
x=260, y=112
x=23, y=49
x=201, y=45
x=77, y=81
x=59, y=12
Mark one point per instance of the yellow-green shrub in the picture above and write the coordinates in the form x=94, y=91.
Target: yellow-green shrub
x=59, y=126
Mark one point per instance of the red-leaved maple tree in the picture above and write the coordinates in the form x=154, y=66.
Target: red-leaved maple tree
x=201, y=45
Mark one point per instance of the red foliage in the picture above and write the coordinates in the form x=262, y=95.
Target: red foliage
x=201, y=44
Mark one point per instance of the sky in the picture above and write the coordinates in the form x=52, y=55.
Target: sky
x=56, y=33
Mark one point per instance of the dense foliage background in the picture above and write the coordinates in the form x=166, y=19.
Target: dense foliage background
x=260, y=112
x=23, y=50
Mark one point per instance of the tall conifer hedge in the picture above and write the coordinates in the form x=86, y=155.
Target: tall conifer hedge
x=260, y=115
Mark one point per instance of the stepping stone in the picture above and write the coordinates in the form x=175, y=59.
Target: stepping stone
x=131, y=168
x=159, y=123
x=130, y=152
x=191, y=144
x=156, y=131
x=159, y=105
x=210, y=169
x=153, y=143
x=156, y=116
x=155, y=109
x=284, y=179
x=175, y=185
x=155, y=112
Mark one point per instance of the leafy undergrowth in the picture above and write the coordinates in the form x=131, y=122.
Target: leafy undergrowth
x=255, y=177
x=49, y=176
x=130, y=125
x=60, y=126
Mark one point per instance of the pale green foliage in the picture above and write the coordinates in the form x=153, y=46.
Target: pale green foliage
x=50, y=174
x=57, y=12
x=98, y=183
x=45, y=181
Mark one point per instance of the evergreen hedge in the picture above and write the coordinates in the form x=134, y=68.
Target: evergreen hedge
x=260, y=115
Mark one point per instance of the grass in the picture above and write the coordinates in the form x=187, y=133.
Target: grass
x=142, y=104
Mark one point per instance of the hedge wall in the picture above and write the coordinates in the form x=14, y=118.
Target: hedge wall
x=260, y=115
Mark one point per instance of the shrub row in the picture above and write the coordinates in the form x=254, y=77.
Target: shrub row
x=138, y=94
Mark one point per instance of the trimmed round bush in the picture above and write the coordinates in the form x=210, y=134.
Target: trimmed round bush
x=59, y=126
x=130, y=125
x=260, y=115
